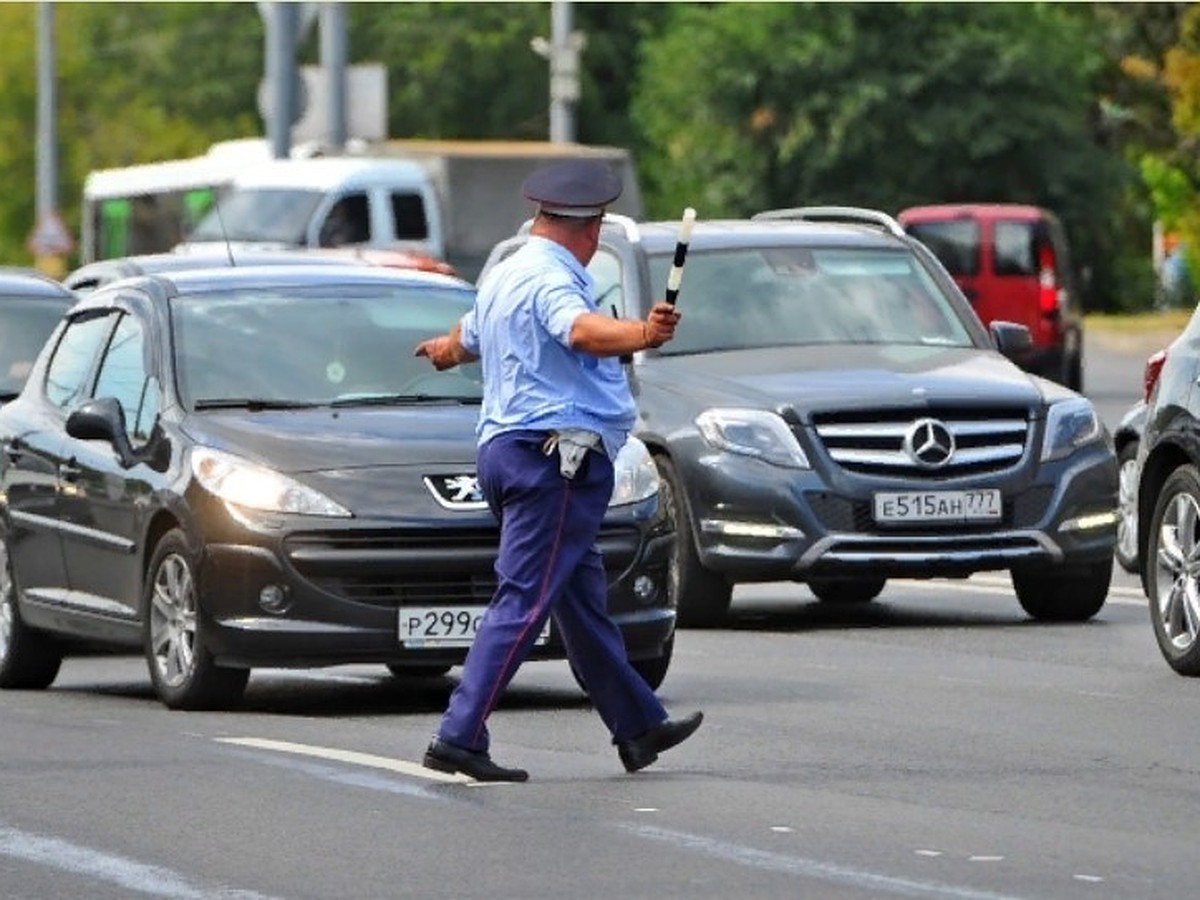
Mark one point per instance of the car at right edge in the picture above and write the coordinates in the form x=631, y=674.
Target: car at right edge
x=1168, y=499
x=833, y=412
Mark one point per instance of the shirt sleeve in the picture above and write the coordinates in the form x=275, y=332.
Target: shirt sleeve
x=558, y=306
x=469, y=332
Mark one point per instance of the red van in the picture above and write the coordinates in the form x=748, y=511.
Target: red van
x=1013, y=264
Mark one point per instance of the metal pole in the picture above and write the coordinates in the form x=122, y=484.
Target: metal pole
x=564, y=73
x=333, y=62
x=47, y=162
x=281, y=74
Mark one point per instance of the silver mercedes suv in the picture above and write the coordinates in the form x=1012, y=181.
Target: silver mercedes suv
x=832, y=411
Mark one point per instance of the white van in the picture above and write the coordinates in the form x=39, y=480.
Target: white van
x=452, y=200
x=326, y=202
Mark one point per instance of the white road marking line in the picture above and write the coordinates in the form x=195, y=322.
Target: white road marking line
x=130, y=874
x=646, y=809
x=1090, y=878
x=928, y=852
x=353, y=758
x=809, y=868
x=782, y=829
x=985, y=858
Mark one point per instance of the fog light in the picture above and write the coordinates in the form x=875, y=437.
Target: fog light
x=274, y=598
x=643, y=587
x=1090, y=522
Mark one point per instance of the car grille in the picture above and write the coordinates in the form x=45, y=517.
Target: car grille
x=873, y=443
x=391, y=569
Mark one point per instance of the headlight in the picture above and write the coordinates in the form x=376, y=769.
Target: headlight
x=1069, y=425
x=245, y=484
x=752, y=432
x=635, y=477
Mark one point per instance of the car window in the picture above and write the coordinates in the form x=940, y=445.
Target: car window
x=605, y=269
x=783, y=296
x=259, y=214
x=24, y=327
x=955, y=242
x=1015, y=248
x=317, y=344
x=123, y=376
x=348, y=222
x=67, y=373
x=408, y=212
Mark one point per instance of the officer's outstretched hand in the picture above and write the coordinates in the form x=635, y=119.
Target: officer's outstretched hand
x=660, y=324
x=443, y=351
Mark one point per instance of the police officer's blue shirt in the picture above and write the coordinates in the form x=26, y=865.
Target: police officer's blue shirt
x=520, y=328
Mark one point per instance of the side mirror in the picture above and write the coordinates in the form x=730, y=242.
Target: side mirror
x=102, y=419
x=1010, y=338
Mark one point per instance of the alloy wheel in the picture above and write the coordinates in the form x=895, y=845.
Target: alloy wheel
x=1127, y=511
x=173, y=621
x=1177, y=571
x=6, y=603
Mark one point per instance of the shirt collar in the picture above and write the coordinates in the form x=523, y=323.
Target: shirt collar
x=567, y=258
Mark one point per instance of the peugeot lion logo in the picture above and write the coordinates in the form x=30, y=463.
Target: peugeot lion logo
x=929, y=443
x=456, y=491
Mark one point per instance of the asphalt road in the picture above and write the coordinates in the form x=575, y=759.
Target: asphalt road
x=934, y=743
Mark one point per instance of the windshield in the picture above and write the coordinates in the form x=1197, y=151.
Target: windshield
x=25, y=324
x=785, y=296
x=270, y=215
x=337, y=344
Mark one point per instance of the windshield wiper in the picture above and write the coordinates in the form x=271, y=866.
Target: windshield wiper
x=398, y=399
x=254, y=403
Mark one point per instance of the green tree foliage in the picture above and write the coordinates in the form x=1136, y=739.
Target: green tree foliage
x=884, y=105
x=729, y=107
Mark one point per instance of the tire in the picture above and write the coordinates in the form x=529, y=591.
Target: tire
x=1127, y=523
x=1171, y=579
x=29, y=660
x=1073, y=375
x=653, y=670
x=701, y=598
x=181, y=668
x=399, y=670
x=846, y=590
x=1072, y=595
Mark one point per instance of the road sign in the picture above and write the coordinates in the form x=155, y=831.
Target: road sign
x=50, y=236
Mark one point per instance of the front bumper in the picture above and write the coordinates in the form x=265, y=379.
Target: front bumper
x=345, y=590
x=755, y=522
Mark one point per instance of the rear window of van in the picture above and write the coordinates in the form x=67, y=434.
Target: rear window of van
x=1015, y=250
x=955, y=242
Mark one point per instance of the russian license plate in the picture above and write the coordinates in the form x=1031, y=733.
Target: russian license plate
x=432, y=627
x=939, y=506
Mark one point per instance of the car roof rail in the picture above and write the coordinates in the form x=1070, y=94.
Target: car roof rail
x=851, y=214
x=626, y=223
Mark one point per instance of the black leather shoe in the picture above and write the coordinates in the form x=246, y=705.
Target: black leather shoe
x=644, y=749
x=445, y=757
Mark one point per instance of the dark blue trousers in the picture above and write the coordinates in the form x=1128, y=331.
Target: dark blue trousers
x=548, y=564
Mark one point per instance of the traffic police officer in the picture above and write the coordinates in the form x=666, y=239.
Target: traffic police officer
x=556, y=409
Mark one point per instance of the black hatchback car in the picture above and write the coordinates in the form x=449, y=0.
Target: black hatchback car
x=832, y=411
x=248, y=467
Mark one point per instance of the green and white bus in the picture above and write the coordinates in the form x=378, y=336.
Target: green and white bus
x=149, y=208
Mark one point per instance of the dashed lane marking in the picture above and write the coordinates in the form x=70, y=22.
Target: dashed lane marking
x=155, y=881
x=351, y=757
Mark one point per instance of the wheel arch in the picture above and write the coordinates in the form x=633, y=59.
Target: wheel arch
x=1156, y=469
